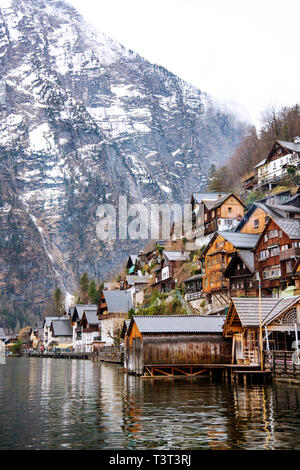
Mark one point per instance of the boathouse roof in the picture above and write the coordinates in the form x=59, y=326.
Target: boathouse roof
x=61, y=328
x=178, y=323
x=248, y=309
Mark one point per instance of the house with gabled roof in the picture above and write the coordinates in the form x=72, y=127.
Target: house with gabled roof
x=278, y=319
x=215, y=259
x=61, y=333
x=275, y=255
x=90, y=330
x=165, y=279
x=112, y=311
x=275, y=166
x=259, y=214
x=75, y=320
x=241, y=274
x=222, y=212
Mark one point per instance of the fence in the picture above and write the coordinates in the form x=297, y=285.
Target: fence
x=281, y=363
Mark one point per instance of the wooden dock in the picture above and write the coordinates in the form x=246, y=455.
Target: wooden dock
x=228, y=372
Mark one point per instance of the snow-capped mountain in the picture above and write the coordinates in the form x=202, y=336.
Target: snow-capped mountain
x=82, y=121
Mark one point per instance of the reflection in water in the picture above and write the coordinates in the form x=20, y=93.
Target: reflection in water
x=68, y=404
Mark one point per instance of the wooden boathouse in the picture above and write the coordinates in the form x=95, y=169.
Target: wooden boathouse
x=175, y=344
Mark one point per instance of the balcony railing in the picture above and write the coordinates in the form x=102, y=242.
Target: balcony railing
x=290, y=253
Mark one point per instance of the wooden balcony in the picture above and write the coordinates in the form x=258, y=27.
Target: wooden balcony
x=290, y=253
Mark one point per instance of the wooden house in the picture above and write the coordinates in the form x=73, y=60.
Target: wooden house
x=193, y=287
x=112, y=311
x=198, y=206
x=275, y=166
x=276, y=254
x=174, y=341
x=241, y=274
x=165, y=279
x=215, y=259
x=278, y=320
x=260, y=213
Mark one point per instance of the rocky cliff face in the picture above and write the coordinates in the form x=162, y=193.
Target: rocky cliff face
x=82, y=121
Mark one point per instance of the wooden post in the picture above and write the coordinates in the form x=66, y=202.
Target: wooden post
x=245, y=380
x=285, y=362
x=274, y=363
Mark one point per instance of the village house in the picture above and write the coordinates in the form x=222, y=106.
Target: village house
x=174, y=344
x=274, y=167
x=137, y=285
x=259, y=214
x=112, y=311
x=131, y=264
x=276, y=254
x=241, y=274
x=61, y=334
x=193, y=287
x=47, y=330
x=215, y=259
x=279, y=318
x=165, y=280
x=90, y=330
x=75, y=321
x=219, y=212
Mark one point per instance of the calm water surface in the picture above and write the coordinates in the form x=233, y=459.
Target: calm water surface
x=70, y=404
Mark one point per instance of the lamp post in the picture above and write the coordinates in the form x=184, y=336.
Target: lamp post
x=260, y=327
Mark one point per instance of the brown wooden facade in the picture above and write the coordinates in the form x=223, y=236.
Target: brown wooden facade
x=241, y=275
x=275, y=257
x=145, y=349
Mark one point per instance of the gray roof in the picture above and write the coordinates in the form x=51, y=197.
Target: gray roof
x=241, y=240
x=179, y=324
x=289, y=145
x=176, y=255
x=199, y=197
x=48, y=320
x=248, y=309
x=248, y=257
x=118, y=301
x=61, y=328
x=216, y=203
x=137, y=280
x=286, y=208
x=260, y=163
x=80, y=308
x=289, y=226
x=280, y=308
x=91, y=316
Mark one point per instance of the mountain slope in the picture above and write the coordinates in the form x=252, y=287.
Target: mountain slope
x=82, y=121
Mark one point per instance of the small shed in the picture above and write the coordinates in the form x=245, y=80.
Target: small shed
x=175, y=340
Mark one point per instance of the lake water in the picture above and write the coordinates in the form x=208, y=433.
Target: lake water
x=76, y=404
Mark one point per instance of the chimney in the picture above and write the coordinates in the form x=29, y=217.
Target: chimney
x=219, y=196
x=297, y=140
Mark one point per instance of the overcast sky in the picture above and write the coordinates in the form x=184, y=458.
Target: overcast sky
x=241, y=50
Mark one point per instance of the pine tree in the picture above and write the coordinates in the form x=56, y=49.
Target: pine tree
x=84, y=287
x=58, y=302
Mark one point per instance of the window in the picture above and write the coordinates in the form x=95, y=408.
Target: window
x=229, y=210
x=274, y=251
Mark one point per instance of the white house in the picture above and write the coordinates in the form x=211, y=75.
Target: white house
x=282, y=156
